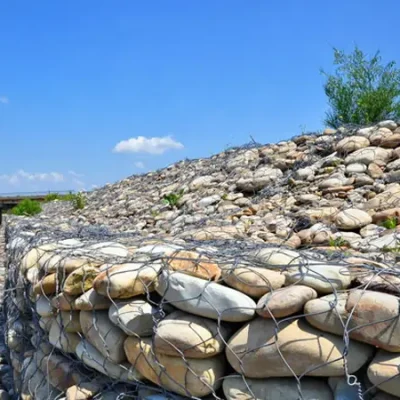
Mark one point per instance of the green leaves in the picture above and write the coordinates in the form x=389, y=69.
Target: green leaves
x=362, y=91
x=172, y=199
x=27, y=207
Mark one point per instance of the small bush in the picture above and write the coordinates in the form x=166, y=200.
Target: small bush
x=172, y=199
x=51, y=197
x=362, y=90
x=390, y=223
x=78, y=201
x=338, y=242
x=27, y=207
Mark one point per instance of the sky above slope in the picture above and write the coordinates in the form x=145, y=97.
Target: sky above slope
x=94, y=91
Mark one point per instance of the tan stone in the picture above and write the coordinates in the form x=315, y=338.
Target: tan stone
x=83, y=391
x=368, y=155
x=91, y=300
x=350, y=144
x=374, y=317
x=44, y=306
x=193, y=263
x=375, y=171
x=127, y=280
x=391, y=141
x=103, y=334
x=237, y=388
x=386, y=214
x=384, y=372
x=194, y=377
x=45, y=323
x=284, y=302
x=69, y=321
x=390, y=198
x=91, y=357
x=326, y=214
x=190, y=335
x=61, y=339
x=80, y=280
x=255, y=351
x=352, y=219
x=48, y=285
x=253, y=281
x=63, y=302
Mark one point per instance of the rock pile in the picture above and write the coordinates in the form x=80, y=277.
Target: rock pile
x=270, y=273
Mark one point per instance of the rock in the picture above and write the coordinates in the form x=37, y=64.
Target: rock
x=321, y=214
x=384, y=372
x=375, y=171
x=69, y=321
x=388, y=124
x=4, y=395
x=356, y=168
x=48, y=285
x=44, y=306
x=90, y=356
x=259, y=179
x=379, y=135
x=190, y=335
x=190, y=377
x=63, y=302
x=369, y=155
x=284, y=302
x=324, y=278
x=207, y=299
x=386, y=214
x=195, y=264
x=352, y=219
x=342, y=390
x=208, y=201
x=45, y=323
x=80, y=280
x=102, y=334
x=253, y=281
x=390, y=198
x=350, y=144
x=127, y=280
x=61, y=339
x=91, y=300
x=236, y=388
x=83, y=391
x=134, y=317
x=374, y=317
x=391, y=142
x=255, y=351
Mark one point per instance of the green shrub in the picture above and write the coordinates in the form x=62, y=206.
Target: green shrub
x=78, y=201
x=338, y=242
x=362, y=90
x=390, y=223
x=172, y=199
x=61, y=197
x=27, y=207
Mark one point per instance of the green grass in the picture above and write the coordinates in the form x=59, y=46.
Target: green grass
x=61, y=197
x=338, y=242
x=172, y=199
x=390, y=223
x=78, y=201
x=27, y=207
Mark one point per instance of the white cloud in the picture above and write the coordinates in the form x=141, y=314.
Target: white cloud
x=139, y=164
x=15, y=178
x=4, y=100
x=154, y=145
x=75, y=174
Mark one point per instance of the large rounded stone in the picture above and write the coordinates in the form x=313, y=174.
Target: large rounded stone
x=237, y=388
x=103, y=334
x=80, y=280
x=284, y=302
x=188, y=377
x=91, y=300
x=253, y=281
x=369, y=155
x=208, y=299
x=256, y=352
x=62, y=339
x=384, y=372
x=324, y=278
x=374, y=317
x=352, y=219
x=135, y=317
x=193, y=263
x=63, y=302
x=127, y=280
x=69, y=321
x=190, y=335
x=44, y=306
x=48, y=285
x=350, y=144
x=90, y=356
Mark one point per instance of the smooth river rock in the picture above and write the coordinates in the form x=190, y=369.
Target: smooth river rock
x=374, y=316
x=104, y=335
x=255, y=351
x=208, y=299
x=284, y=302
x=352, y=219
x=237, y=388
x=253, y=281
x=122, y=281
x=190, y=377
x=134, y=317
x=91, y=300
x=61, y=339
x=190, y=335
x=384, y=371
x=80, y=280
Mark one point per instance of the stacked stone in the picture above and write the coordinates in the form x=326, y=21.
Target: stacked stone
x=177, y=319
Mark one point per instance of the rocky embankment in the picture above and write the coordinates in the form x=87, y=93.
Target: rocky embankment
x=266, y=272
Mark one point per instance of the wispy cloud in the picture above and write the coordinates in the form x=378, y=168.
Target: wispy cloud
x=139, y=164
x=21, y=175
x=75, y=174
x=4, y=100
x=154, y=145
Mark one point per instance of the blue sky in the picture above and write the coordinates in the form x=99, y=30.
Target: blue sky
x=94, y=91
